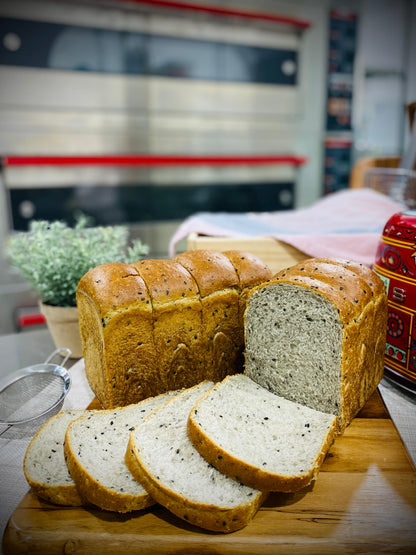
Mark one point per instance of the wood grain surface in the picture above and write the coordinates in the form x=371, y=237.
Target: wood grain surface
x=363, y=501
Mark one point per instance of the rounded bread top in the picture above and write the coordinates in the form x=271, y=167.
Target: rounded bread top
x=350, y=286
x=211, y=270
x=250, y=269
x=113, y=286
x=118, y=285
x=166, y=280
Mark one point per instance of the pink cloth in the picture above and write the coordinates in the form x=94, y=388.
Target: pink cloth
x=346, y=224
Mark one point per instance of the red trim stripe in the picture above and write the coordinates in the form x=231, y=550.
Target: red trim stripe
x=153, y=160
x=27, y=320
x=217, y=10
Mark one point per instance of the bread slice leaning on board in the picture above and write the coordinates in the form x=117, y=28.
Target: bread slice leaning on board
x=44, y=463
x=162, y=458
x=94, y=452
x=258, y=438
x=161, y=325
x=316, y=334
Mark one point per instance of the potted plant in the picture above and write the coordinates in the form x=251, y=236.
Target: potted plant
x=52, y=257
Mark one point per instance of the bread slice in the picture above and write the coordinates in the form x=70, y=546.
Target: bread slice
x=316, y=334
x=94, y=451
x=162, y=458
x=44, y=463
x=258, y=438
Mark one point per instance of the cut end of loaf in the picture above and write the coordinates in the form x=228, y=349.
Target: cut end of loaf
x=293, y=345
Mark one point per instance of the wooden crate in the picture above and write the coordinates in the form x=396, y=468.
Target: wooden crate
x=276, y=254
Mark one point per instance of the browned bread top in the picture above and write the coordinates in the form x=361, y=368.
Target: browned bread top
x=349, y=285
x=114, y=286
x=250, y=269
x=166, y=280
x=212, y=270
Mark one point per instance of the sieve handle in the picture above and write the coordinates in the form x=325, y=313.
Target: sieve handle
x=63, y=351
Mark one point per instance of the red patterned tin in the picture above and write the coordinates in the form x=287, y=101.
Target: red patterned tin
x=396, y=265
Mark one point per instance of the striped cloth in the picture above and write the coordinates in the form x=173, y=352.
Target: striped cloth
x=345, y=224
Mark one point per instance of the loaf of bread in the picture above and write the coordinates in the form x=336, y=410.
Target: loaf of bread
x=160, y=325
x=315, y=334
x=258, y=438
x=162, y=458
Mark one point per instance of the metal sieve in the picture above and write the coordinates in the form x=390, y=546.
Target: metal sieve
x=35, y=392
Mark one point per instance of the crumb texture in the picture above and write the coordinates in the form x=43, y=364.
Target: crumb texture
x=96, y=445
x=168, y=456
x=44, y=460
x=294, y=345
x=260, y=429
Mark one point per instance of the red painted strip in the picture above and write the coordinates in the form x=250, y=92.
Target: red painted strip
x=27, y=320
x=217, y=10
x=152, y=160
x=338, y=142
x=338, y=14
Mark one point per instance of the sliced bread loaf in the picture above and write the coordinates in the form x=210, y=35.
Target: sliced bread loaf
x=258, y=438
x=44, y=463
x=162, y=458
x=94, y=449
x=316, y=334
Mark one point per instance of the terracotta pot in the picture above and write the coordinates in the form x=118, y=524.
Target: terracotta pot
x=63, y=325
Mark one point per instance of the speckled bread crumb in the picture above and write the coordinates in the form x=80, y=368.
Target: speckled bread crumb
x=161, y=456
x=44, y=462
x=258, y=438
x=94, y=451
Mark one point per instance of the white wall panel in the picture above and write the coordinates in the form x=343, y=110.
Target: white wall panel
x=66, y=111
x=46, y=89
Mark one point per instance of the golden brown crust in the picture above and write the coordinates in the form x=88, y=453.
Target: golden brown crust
x=177, y=324
x=204, y=516
x=112, y=286
x=211, y=270
x=222, y=341
x=115, y=311
x=67, y=496
x=162, y=324
x=250, y=269
x=248, y=474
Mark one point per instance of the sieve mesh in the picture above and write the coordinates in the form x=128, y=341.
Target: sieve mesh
x=30, y=396
x=34, y=392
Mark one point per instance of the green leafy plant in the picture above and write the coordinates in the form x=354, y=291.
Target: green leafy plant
x=52, y=257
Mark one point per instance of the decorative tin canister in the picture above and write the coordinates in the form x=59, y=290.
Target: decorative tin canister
x=396, y=265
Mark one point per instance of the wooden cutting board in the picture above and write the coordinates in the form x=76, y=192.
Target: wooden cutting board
x=363, y=501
